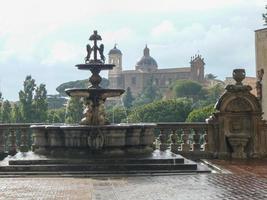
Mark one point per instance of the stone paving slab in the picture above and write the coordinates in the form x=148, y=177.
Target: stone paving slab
x=182, y=187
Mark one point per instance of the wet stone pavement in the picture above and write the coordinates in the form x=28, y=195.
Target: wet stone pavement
x=182, y=187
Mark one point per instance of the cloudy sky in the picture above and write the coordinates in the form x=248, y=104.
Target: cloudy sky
x=46, y=38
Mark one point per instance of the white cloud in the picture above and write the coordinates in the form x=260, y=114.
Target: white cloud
x=165, y=28
x=119, y=35
x=62, y=52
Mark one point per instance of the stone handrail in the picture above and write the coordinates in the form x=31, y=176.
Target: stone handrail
x=188, y=139
x=14, y=137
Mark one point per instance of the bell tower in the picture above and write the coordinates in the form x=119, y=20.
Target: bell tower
x=197, y=68
x=115, y=75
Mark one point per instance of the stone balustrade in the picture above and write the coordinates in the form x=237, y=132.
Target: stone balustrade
x=188, y=139
x=15, y=137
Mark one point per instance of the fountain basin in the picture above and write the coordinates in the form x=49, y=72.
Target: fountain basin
x=88, y=140
x=95, y=66
x=94, y=92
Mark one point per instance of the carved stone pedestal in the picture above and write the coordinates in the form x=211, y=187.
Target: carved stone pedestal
x=238, y=143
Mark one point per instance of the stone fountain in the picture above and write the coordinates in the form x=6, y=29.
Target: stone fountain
x=95, y=146
x=94, y=135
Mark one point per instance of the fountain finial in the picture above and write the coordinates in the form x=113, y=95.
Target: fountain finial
x=95, y=37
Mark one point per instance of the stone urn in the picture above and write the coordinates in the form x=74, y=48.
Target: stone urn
x=239, y=75
x=238, y=142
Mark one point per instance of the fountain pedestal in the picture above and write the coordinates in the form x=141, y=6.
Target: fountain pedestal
x=86, y=141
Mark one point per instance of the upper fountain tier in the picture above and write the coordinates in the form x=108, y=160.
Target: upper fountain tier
x=94, y=96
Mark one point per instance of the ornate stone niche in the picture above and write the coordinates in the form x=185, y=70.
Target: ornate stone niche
x=237, y=120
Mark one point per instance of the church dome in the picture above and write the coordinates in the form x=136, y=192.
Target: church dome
x=115, y=51
x=147, y=63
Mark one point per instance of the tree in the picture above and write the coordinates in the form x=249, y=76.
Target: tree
x=40, y=105
x=210, y=76
x=74, y=110
x=128, y=98
x=117, y=114
x=149, y=94
x=56, y=115
x=26, y=99
x=201, y=114
x=16, y=114
x=214, y=93
x=6, y=112
x=188, y=89
x=173, y=110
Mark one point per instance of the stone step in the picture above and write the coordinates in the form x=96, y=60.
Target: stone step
x=98, y=173
x=179, y=160
x=98, y=167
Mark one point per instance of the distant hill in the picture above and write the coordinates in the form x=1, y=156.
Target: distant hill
x=78, y=84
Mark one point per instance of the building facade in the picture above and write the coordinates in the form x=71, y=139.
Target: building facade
x=261, y=67
x=146, y=68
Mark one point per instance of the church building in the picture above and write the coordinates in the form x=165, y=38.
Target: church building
x=146, y=68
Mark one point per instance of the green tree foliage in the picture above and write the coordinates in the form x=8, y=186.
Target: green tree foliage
x=117, y=114
x=173, y=110
x=56, y=101
x=16, y=114
x=26, y=99
x=56, y=115
x=40, y=104
x=210, y=76
x=149, y=94
x=188, y=89
x=6, y=112
x=74, y=111
x=215, y=92
x=201, y=114
x=128, y=98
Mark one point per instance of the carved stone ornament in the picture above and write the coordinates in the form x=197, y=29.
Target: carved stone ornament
x=238, y=105
x=96, y=140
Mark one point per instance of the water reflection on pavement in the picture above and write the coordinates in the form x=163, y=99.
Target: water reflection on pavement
x=182, y=187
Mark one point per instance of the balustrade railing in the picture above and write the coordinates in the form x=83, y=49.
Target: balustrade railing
x=15, y=137
x=189, y=139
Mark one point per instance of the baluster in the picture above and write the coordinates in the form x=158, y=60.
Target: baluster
x=12, y=146
x=185, y=146
x=196, y=140
x=174, y=141
x=23, y=140
x=162, y=140
x=2, y=142
x=205, y=145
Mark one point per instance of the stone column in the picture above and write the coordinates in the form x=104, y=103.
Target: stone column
x=24, y=140
x=2, y=141
x=196, y=140
x=12, y=146
x=174, y=142
x=185, y=146
x=39, y=140
x=163, y=140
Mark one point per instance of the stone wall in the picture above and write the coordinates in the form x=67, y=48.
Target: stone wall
x=261, y=63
